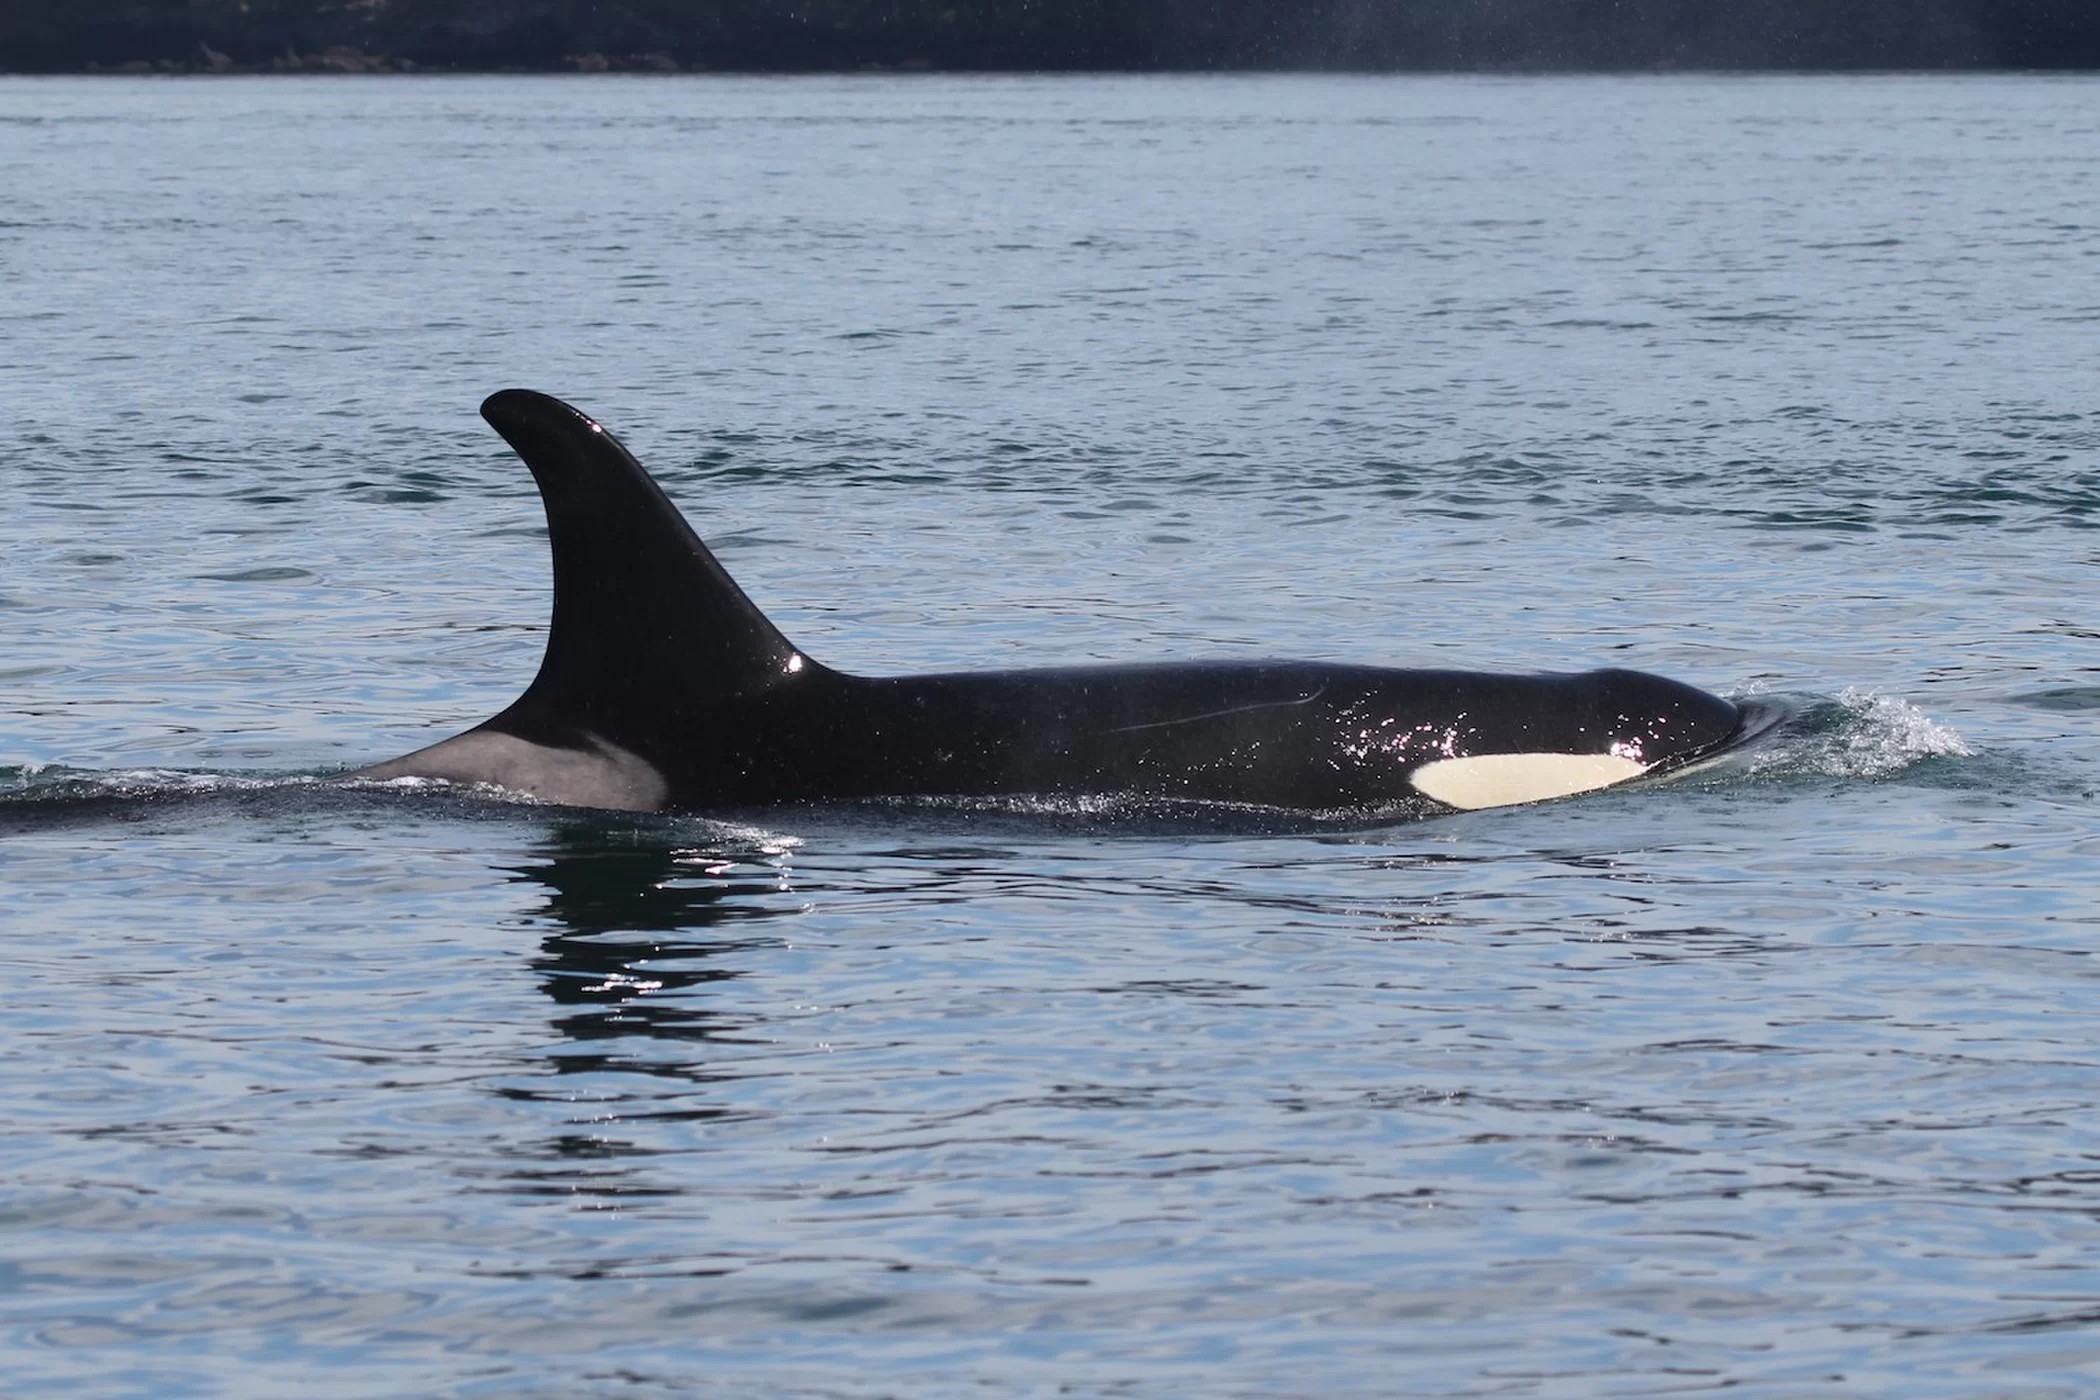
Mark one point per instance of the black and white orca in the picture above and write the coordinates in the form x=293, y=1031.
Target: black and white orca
x=663, y=687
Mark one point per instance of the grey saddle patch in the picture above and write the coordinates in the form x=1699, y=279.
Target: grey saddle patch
x=602, y=774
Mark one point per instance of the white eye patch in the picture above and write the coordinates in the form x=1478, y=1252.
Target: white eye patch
x=1505, y=779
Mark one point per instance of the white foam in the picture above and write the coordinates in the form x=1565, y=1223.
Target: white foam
x=185, y=780
x=1875, y=735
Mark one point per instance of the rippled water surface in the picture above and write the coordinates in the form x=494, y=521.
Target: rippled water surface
x=1780, y=1078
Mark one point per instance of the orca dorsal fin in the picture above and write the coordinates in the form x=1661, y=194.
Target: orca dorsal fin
x=646, y=623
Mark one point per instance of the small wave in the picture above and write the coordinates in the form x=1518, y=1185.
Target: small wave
x=55, y=782
x=2075, y=697
x=1860, y=734
x=43, y=783
x=39, y=797
x=44, y=797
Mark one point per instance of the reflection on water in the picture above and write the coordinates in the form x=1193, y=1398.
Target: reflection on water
x=644, y=919
x=645, y=929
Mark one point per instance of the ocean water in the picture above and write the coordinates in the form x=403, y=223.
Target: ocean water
x=1780, y=1079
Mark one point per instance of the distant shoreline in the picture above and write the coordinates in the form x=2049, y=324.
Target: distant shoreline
x=1047, y=36
x=340, y=63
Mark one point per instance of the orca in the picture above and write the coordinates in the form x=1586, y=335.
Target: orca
x=664, y=688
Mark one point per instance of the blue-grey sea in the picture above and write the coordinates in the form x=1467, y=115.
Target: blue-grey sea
x=1781, y=1079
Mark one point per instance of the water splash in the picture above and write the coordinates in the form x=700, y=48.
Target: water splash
x=1860, y=734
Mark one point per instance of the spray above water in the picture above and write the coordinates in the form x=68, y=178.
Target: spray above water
x=1858, y=734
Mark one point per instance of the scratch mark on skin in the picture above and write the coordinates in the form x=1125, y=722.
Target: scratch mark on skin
x=1220, y=714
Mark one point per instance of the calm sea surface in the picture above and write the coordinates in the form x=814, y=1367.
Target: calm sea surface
x=1782, y=1079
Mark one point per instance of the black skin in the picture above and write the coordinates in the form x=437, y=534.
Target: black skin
x=663, y=686
x=1295, y=735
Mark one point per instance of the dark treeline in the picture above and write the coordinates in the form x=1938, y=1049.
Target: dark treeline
x=795, y=35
